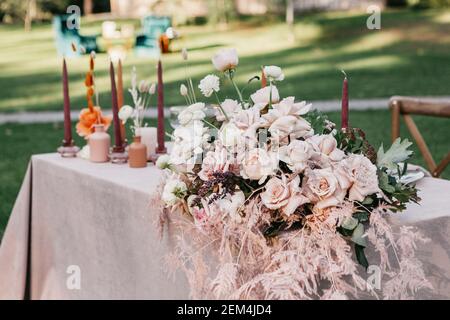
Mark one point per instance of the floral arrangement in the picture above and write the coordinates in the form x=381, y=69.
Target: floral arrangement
x=141, y=95
x=91, y=115
x=287, y=205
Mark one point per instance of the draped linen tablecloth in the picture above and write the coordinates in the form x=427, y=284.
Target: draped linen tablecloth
x=73, y=215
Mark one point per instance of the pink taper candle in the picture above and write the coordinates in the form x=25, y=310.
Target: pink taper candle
x=344, y=112
x=118, y=143
x=67, y=122
x=160, y=132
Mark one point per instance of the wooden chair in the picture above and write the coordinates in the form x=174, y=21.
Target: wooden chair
x=407, y=106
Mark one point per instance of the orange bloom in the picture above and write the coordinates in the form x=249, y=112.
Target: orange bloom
x=88, y=118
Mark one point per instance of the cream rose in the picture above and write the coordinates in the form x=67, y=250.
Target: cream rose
x=286, y=107
x=225, y=59
x=290, y=126
x=296, y=155
x=283, y=195
x=323, y=189
x=326, y=150
x=194, y=112
x=258, y=164
x=363, y=176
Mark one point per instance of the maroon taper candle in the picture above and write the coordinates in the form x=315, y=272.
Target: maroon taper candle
x=344, y=111
x=67, y=122
x=160, y=131
x=118, y=143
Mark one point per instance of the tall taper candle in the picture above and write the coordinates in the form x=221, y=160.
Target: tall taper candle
x=120, y=97
x=118, y=143
x=161, y=147
x=344, y=111
x=67, y=122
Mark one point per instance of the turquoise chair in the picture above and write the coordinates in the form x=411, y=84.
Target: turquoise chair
x=147, y=42
x=64, y=37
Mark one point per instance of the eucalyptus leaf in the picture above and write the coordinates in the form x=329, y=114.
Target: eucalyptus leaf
x=357, y=236
x=349, y=223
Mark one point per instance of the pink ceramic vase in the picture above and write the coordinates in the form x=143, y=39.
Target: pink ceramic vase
x=99, y=144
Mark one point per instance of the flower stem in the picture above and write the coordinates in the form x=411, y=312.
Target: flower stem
x=270, y=96
x=210, y=124
x=230, y=76
x=220, y=107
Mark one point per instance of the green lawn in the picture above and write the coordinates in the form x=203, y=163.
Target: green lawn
x=19, y=142
x=410, y=55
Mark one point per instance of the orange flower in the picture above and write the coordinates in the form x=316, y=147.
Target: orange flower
x=90, y=117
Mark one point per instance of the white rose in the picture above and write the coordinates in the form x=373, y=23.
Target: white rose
x=273, y=73
x=231, y=108
x=261, y=97
x=163, y=162
x=209, y=84
x=258, y=164
x=125, y=113
x=194, y=112
x=225, y=59
x=174, y=191
x=296, y=155
x=230, y=135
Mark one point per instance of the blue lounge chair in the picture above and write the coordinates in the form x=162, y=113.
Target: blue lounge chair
x=147, y=43
x=65, y=36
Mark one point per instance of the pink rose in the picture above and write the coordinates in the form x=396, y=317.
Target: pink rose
x=261, y=97
x=296, y=155
x=258, y=164
x=215, y=161
x=283, y=195
x=289, y=126
x=225, y=59
x=287, y=107
x=326, y=150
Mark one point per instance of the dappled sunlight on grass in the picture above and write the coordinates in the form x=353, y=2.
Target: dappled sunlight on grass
x=385, y=61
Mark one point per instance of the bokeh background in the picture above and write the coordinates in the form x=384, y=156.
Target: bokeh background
x=311, y=40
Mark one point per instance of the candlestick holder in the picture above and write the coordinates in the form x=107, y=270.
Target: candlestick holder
x=68, y=149
x=119, y=155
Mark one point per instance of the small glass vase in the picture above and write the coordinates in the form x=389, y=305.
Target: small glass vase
x=99, y=144
x=137, y=154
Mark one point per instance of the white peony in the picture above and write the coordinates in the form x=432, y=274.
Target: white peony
x=261, y=97
x=225, y=59
x=209, y=84
x=125, y=113
x=231, y=108
x=174, y=191
x=273, y=73
x=194, y=112
x=258, y=164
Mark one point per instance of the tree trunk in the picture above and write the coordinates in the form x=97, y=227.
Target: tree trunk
x=290, y=14
x=87, y=7
x=30, y=14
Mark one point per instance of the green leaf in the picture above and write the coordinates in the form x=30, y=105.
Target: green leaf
x=361, y=256
x=357, y=236
x=361, y=216
x=383, y=182
x=398, y=152
x=349, y=223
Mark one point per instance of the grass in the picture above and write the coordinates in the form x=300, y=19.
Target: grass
x=410, y=55
x=18, y=142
